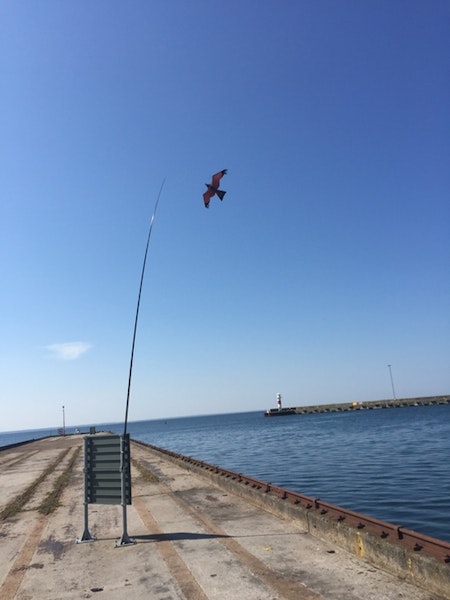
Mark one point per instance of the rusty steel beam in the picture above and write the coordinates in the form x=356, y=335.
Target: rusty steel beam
x=413, y=540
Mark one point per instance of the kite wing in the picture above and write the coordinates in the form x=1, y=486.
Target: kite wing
x=207, y=197
x=213, y=188
x=217, y=177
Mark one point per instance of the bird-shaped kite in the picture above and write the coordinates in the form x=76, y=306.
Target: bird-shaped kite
x=213, y=188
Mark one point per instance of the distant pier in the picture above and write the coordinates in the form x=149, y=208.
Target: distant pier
x=365, y=405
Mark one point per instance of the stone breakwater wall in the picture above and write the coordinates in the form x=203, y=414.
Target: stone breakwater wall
x=372, y=404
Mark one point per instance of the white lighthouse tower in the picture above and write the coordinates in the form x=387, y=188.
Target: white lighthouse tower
x=279, y=401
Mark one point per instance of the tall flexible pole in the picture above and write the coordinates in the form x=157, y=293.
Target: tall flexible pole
x=138, y=304
x=392, y=382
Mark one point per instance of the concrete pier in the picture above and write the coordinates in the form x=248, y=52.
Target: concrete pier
x=194, y=539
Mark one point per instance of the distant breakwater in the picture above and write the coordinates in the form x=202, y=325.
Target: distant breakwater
x=367, y=405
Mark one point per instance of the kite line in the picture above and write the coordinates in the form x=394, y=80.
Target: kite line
x=138, y=304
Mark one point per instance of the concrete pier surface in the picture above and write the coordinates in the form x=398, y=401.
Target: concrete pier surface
x=194, y=540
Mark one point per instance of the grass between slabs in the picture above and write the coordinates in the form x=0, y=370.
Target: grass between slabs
x=144, y=472
x=17, y=504
x=51, y=502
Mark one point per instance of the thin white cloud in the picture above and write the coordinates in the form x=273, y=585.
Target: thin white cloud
x=68, y=350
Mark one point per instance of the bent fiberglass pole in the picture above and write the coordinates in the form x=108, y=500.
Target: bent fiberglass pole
x=137, y=308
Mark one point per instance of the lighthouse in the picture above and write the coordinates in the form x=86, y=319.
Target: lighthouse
x=279, y=401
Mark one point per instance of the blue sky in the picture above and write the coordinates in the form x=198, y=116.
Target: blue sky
x=328, y=258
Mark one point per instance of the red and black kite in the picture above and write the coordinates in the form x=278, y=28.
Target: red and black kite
x=213, y=188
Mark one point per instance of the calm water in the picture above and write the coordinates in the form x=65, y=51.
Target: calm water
x=392, y=464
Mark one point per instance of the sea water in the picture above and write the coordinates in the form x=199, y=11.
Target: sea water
x=391, y=464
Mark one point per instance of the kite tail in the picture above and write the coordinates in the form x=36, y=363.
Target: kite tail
x=221, y=194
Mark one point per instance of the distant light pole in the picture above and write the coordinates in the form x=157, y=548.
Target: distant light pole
x=64, y=422
x=392, y=381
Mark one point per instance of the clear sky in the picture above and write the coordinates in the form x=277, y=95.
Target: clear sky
x=327, y=260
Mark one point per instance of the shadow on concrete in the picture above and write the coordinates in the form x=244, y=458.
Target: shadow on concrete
x=181, y=535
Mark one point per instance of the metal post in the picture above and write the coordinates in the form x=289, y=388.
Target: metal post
x=86, y=537
x=392, y=382
x=125, y=540
x=64, y=421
